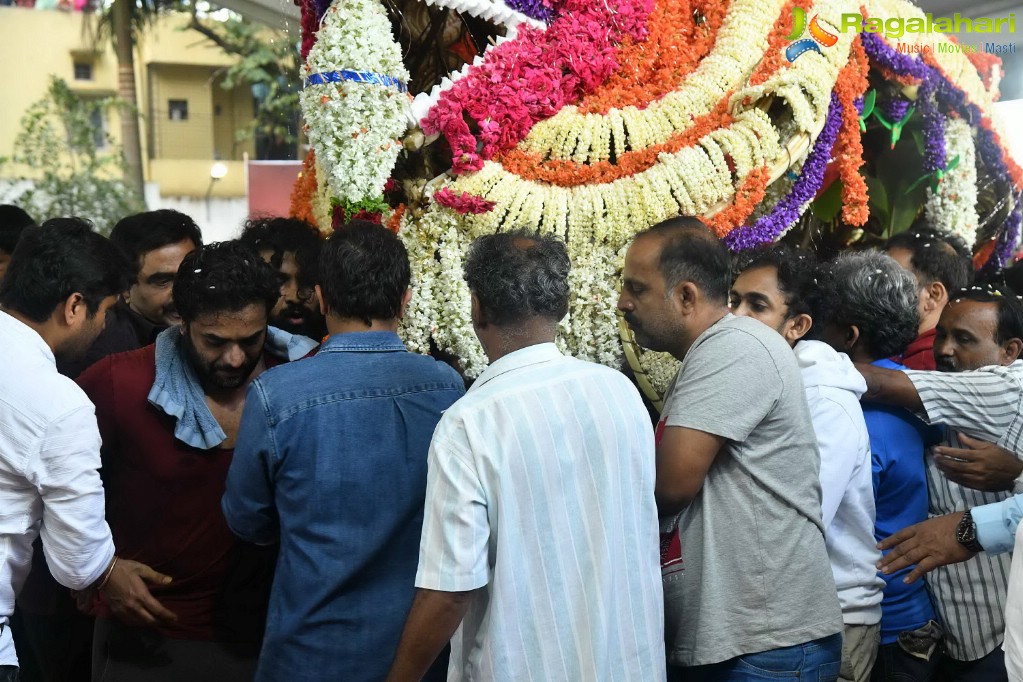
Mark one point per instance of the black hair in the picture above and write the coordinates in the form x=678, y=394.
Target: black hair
x=1010, y=308
x=796, y=271
x=141, y=233
x=936, y=256
x=223, y=277
x=364, y=272
x=13, y=220
x=287, y=235
x=518, y=275
x=61, y=257
x=692, y=253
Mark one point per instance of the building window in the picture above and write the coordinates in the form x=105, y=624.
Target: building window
x=83, y=71
x=178, y=109
x=98, y=122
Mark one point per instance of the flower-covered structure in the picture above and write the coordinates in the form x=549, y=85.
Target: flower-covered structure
x=595, y=120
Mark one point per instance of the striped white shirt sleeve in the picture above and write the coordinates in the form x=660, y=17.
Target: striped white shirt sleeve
x=456, y=532
x=983, y=403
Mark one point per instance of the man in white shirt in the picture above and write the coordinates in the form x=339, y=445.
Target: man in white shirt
x=61, y=281
x=540, y=534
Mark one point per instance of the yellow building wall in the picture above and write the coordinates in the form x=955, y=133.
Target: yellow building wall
x=170, y=64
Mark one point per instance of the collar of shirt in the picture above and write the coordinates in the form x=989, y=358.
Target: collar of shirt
x=523, y=357
x=363, y=342
x=28, y=335
x=145, y=331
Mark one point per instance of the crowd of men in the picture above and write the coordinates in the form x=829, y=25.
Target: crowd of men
x=220, y=462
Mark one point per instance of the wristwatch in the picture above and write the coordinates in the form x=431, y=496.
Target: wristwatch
x=966, y=533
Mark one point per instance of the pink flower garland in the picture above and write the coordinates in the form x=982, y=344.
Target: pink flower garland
x=462, y=203
x=528, y=79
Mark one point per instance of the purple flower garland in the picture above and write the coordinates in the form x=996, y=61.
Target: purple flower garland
x=935, y=157
x=321, y=7
x=534, y=9
x=1007, y=237
x=895, y=109
x=805, y=188
x=952, y=98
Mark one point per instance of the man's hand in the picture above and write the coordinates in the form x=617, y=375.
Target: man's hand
x=927, y=544
x=979, y=465
x=127, y=594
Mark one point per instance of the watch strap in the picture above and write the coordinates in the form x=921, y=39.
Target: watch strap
x=966, y=533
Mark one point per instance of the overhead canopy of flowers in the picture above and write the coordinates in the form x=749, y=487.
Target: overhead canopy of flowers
x=595, y=120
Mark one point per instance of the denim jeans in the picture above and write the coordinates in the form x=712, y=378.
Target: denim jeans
x=8, y=673
x=816, y=661
x=895, y=665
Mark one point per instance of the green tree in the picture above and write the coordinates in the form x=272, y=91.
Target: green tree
x=268, y=60
x=81, y=168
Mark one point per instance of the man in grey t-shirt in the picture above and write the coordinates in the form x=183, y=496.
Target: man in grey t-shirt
x=737, y=472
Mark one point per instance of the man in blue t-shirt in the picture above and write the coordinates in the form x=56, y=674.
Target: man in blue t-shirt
x=874, y=316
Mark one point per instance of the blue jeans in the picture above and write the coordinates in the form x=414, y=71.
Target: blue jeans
x=816, y=661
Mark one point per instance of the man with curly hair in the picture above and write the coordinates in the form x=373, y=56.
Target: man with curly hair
x=293, y=247
x=168, y=414
x=870, y=308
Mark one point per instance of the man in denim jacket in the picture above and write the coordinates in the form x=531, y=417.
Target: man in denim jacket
x=331, y=463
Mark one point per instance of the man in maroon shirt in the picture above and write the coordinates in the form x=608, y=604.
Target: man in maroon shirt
x=168, y=414
x=942, y=265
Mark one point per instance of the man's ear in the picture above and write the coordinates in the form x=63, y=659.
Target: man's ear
x=935, y=295
x=324, y=308
x=852, y=338
x=797, y=328
x=685, y=295
x=74, y=310
x=476, y=312
x=405, y=298
x=1012, y=349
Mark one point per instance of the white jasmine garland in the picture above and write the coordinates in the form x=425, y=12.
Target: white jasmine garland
x=353, y=126
x=954, y=206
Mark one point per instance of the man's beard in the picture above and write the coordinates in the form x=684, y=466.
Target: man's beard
x=298, y=319
x=945, y=365
x=216, y=375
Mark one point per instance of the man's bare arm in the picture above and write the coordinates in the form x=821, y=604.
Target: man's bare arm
x=684, y=457
x=432, y=621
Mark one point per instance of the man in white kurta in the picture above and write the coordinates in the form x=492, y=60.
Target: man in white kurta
x=540, y=498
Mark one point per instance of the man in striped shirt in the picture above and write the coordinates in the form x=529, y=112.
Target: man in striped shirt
x=979, y=391
x=540, y=537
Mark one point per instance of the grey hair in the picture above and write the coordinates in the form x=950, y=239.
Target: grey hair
x=872, y=291
x=518, y=275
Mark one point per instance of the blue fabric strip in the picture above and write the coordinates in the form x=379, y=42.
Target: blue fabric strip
x=356, y=76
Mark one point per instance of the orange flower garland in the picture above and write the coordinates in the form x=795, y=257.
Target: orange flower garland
x=303, y=191
x=772, y=61
x=530, y=165
x=748, y=195
x=985, y=63
x=654, y=67
x=851, y=84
